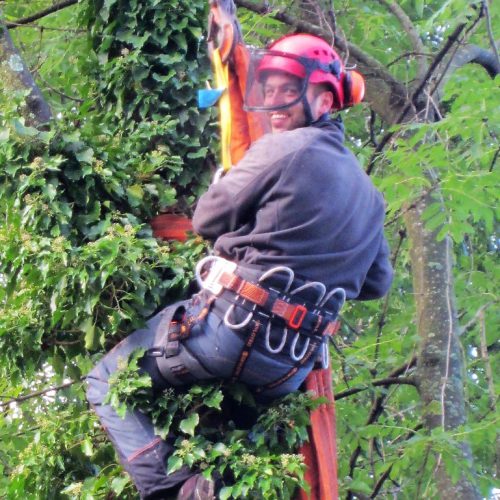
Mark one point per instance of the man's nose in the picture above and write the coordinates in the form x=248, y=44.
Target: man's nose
x=275, y=99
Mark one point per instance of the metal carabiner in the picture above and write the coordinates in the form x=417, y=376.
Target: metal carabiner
x=236, y=326
x=335, y=291
x=312, y=284
x=294, y=345
x=325, y=356
x=291, y=277
x=278, y=269
x=278, y=349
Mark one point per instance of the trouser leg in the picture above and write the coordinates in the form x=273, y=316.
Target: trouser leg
x=142, y=453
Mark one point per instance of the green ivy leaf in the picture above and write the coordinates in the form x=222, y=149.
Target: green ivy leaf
x=174, y=463
x=188, y=425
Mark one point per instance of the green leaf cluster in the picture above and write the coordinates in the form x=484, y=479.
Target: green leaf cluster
x=223, y=432
x=151, y=60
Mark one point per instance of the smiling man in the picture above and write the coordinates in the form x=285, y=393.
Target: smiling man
x=283, y=89
x=296, y=227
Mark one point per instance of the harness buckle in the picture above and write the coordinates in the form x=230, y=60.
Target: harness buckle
x=218, y=266
x=297, y=317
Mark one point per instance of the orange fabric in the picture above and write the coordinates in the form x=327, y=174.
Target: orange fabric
x=247, y=127
x=320, y=453
x=171, y=227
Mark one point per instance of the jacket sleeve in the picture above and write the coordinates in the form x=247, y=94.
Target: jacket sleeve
x=233, y=201
x=379, y=277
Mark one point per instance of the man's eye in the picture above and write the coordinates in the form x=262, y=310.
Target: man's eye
x=291, y=91
x=268, y=92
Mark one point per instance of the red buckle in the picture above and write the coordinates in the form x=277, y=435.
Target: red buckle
x=297, y=316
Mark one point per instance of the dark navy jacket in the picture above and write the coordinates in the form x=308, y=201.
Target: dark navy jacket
x=300, y=199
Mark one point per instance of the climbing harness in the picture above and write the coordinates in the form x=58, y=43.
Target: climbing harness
x=311, y=322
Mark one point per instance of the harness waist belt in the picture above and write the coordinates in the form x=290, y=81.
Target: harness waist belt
x=294, y=315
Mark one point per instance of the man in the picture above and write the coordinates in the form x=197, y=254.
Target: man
x=296, y=226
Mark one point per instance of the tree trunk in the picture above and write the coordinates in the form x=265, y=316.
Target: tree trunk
x=440, y=365
x=15, y=76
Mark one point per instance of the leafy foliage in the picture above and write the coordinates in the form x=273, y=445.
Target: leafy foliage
x=151, y=61
x=80, y=269
x=255, y=457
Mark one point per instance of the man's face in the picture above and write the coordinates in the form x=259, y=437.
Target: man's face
x=280, y=88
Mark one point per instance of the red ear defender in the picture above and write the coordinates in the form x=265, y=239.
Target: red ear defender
x=354, y=88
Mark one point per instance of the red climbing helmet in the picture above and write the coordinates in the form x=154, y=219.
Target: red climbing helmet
x=308, y=59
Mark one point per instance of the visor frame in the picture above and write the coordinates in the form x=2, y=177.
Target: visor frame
x=310, y=65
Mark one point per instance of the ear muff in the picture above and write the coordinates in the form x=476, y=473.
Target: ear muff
x=353, y=85
x=357, y=88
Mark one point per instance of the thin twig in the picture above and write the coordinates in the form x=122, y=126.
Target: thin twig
x=383, y=315
x=43, y=13
x=487, y=363
x=384, y=382
x=412, y=206
x=408, y=54
x=37, y=394
x=392, y=377
x=58, y=92
x=373, y=117
x=494, y=160
x=381, y=480
x=46, y=28
x=477, y=316
x=332, y=16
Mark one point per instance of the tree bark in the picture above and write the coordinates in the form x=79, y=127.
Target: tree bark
x=15, y=76
x=440, y=365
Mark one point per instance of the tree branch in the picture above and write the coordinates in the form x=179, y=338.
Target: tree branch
x=39, y=15
x=472, y=322
x=487, y=363
x=411, y=31
x=413, y=101
x=377, y=383
x=411, y=206
x=381, y=480
x=37, y=110
x=39, y=393
x=376, y=411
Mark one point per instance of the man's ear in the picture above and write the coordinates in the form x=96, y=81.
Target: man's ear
x=325, y=102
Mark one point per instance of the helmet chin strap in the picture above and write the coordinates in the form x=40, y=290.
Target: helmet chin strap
x=307, y=111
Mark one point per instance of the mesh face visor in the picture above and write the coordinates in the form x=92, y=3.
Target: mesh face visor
x=276, y=80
